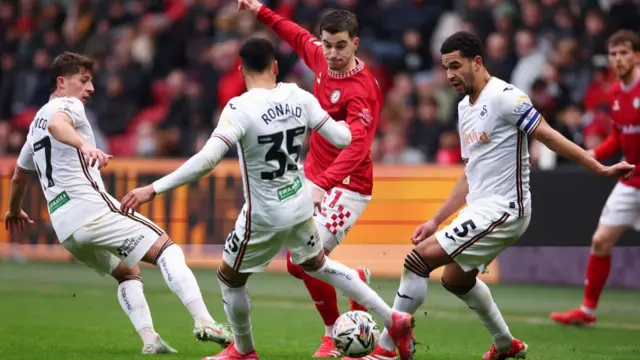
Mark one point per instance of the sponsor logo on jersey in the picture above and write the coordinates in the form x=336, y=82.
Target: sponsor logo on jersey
x=288, y=191
x=523, y=104
x=58, y=201
x=636, y=103
x=616, y=105
x=365, y=117
x=476, y=137
x=129, y=245
x=630, y=129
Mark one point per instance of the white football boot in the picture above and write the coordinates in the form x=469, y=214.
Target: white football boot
x=214, y=332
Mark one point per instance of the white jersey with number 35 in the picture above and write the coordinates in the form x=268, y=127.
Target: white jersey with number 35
x=74, y=191
x=269, y=127
x=493, y=137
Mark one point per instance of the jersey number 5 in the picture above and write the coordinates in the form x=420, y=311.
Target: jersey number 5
x=284, y=157
x=466, y=226
x=45, y=144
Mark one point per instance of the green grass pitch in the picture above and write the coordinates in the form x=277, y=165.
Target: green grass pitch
x=67, y=311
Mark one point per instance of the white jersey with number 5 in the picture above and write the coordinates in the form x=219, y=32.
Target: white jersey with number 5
x=269, y=127
x=74, y=191
x=493, y=134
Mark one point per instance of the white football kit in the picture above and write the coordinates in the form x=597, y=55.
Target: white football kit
x=86, y=219
x=269, y=126
x=493, y=137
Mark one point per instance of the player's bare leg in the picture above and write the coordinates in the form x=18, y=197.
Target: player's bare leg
x=400, y=324
x=237, y=306
x=132, y=300
x=170, y=259
x=428, y=256
x=604, y=239
x=324, y=295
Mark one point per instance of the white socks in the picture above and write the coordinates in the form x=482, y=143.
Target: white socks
x=348, y=281
x=480, y=300
x=411, y=294
x=237, y=306
x=181, y=281
x=132, y=300
x=328, y=330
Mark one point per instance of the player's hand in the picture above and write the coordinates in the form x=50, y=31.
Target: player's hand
x=16, y=221
x=317, y=195
x=250, y=5
x=622, y=169
x=93, y=155
x=424, y=231
x=137, y=197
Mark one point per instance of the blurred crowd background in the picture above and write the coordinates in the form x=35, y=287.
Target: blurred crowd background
x=166, y=68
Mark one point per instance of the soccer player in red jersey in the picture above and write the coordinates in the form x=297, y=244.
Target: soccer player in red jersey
x=622, y=209
x=342, y=180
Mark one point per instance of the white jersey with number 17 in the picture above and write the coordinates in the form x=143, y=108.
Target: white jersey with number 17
x=74, y=191
x=493, y=137
x=269, y=127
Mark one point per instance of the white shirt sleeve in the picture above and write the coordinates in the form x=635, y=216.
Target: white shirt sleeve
x=25, y=159
x=230, y=130
x=515, y=107
x=319, y=120
x=464, y=152
x=73, y=108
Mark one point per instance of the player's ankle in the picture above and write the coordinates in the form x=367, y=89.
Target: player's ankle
x=588, y=310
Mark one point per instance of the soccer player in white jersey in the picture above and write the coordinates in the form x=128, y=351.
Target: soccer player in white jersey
x=269, y=122
x=494, y=120
x=60, y=148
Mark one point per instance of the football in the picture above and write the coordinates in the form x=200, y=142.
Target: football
x=355, y=334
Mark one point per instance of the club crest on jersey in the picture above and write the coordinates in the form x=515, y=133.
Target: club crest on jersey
x=616, y=105
x=335, y=96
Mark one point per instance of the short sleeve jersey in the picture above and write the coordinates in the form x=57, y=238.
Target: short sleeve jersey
x=493, y=137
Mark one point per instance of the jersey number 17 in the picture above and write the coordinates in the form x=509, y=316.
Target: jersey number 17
x=284, y=157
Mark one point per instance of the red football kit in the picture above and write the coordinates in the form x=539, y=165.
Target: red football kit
x=625, y=129
x=353, y=96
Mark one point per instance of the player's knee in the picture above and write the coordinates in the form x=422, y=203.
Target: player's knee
x=315, y=263
x=602, y=243
x=457, y=288
x=415, y=263
x=122, y=273
x=292, y=268
x=230, y=278
x=157, y=249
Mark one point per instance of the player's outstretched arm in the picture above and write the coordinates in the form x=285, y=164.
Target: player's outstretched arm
x=563, y=146
x=61, y=128
x=336, y=132
x=193, y=169
x=307, y=46
x=609, y=147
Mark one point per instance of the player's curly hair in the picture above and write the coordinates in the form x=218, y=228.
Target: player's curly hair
x=67, y=64
x=465, y=42
x=337, y=21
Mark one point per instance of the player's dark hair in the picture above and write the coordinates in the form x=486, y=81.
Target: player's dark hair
x=625, y=37
x=337, y=21
x=67, y=64
x=257, y=54
x=465, y=42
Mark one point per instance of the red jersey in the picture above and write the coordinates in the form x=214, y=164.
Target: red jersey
x=353, y=96
x=625, y=129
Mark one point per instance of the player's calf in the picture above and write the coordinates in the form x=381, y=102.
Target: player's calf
x=180, y=279
x=476, y=294
x=237, y=306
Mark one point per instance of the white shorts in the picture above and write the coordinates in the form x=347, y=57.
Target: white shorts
x=622, y=207
x=111, y=238
x=479, y=233
x=251, y=251
x=340, y=210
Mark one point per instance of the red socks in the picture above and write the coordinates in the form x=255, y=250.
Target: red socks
x=597, y=273
x=324, y=295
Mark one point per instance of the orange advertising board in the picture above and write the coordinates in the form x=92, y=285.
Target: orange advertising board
x=204, y=213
